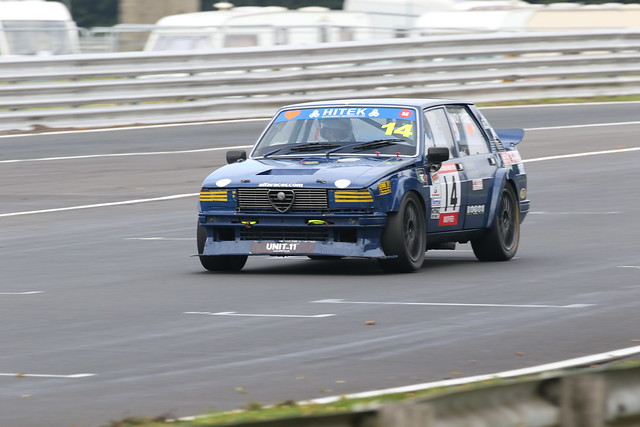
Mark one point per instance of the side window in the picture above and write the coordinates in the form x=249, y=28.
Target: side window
x=438, y=132
x=466, y=131
x=487, y=126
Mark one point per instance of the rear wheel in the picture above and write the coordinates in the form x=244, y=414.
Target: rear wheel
x=218, y=262
x=405, y=237
x=500, y=242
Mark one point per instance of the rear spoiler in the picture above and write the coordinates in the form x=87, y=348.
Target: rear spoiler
x=510, y=137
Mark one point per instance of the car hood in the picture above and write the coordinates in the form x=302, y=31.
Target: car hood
x=340, y=172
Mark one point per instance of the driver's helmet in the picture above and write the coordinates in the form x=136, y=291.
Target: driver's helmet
x=336, y=130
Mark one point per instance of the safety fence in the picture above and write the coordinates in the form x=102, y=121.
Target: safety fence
x=129, y=88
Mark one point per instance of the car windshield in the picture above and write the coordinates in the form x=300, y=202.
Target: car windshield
x=340, y=131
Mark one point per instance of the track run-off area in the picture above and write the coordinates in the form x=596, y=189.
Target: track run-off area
x=106, y=314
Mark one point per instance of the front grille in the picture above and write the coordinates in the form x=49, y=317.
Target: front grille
x=304, y=199
x=285, y=234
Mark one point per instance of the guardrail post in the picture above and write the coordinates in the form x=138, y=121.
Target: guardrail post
x=406, y=415
x=583, y=401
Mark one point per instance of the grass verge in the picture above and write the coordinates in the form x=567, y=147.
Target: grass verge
x=256, y=412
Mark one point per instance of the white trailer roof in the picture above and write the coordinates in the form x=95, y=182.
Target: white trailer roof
x=33, y=10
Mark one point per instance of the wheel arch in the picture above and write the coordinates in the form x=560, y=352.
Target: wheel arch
x=406, y=185
x=503, y=178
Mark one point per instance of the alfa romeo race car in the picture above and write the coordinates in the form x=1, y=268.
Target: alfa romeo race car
x=385, y=179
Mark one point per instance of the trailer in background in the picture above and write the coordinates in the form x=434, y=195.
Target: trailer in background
x=257, y=26
x=36, y=27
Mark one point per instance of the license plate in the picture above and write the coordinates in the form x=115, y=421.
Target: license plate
x=283, y=248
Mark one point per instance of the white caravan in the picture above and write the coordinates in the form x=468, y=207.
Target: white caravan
x=401, y=15
x=256, y=26
x=36, y=27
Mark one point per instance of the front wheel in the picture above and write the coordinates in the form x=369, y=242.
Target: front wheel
x=500, y=242
x=405, y=236
x=218, y=262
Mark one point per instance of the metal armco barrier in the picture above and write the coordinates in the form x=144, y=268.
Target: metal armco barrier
x=143, y=88
x=591, y=398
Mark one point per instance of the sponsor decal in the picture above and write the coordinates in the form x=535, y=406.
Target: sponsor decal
x=422, y=176
x=477, y=184
x=384, y=187
x=447, y=168
x=435, y=214
x=292, y=114
x=475, y=210
x=436, y=203
x=448, y=219
x=279, y=184
x=346, y=112
x=223, y=182
x=309, y=162
x=510, y=158
x=282, y=247
x=523, y=193
x=447, y=186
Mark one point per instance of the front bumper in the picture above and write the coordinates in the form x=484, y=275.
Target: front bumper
x=346, y=235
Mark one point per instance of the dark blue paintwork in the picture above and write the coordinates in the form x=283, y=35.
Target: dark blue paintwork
x=460, y=201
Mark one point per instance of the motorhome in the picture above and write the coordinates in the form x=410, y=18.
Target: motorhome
x=36, y=27
x=256, y=26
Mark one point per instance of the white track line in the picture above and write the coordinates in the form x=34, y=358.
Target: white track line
x=145, y=127
x=591, y=153
x=21, y=375
x=21, y=293
x=449, y=304
x=100, y=205
x=233, y=313
x=148, y=153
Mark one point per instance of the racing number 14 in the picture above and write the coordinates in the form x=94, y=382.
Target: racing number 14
x=404, y=130
x=451, y=200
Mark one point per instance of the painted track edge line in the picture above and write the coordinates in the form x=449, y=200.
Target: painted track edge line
x=101, y=205
x=569, y=363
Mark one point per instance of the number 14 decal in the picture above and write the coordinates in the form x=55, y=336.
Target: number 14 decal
x=447, y=194
x=404, y=130
x=451, y=191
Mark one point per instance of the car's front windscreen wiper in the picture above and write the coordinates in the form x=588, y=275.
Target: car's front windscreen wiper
x=360, y=146
x=314, y=146
x=265, y=155
x=377, y=143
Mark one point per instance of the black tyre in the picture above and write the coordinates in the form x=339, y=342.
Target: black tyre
x=218, y=262
x=500, y=242
x=405, y=236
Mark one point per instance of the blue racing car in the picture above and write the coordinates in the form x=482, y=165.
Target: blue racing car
x=386, y=179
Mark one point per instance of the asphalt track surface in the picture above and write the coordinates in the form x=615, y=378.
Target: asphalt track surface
x=110, y=289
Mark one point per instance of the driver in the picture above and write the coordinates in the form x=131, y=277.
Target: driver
x=336, y=130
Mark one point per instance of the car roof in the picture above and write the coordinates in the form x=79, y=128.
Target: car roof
x=378, y=102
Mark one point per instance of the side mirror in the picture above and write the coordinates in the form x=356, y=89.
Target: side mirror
x=234, y=156
x=437, y=155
